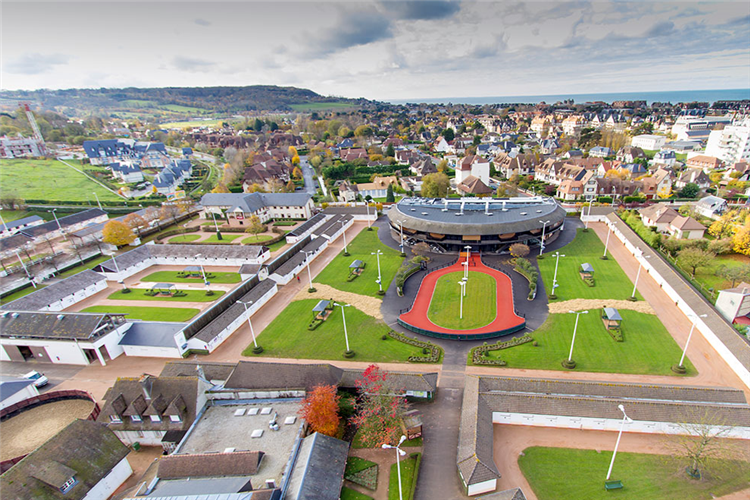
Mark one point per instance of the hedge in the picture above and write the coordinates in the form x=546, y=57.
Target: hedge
x=477, y=353
x=528, y=271
x=435, y=352
x=418, y=459
x=177, y=232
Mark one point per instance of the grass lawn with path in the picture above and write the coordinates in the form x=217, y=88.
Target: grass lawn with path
x=190, y=296
x=171, y=277
x=611, y=281
x=178, y=314
x=361, y=248
x=225, y=238
x=257, y=240
x=185, y=238
x=480, y=304
x=275, y=246
x=571, y=474
x=647, y=347
x=707, y=275
x=86, y=265
x=20, y=293
x=409, y=473
x=288, y=337
x=350, y=494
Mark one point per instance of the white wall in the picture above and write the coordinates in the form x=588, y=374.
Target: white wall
x=145, y=438
x=484, y=487
x=109, y=483
x=283, y=280
x=295, y=239
x=27, y=392
x=151, y=351
x=63, y=352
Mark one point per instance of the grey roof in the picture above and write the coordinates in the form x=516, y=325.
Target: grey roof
x=249, y=269
x=67, y=221
x=318, y=473
x=336, y=226
x=282, y=376
x=55, y=292
x=300, y=256
x=356, y=264
x=20, y=222
x=200, y=488
x=356, y=210
x=321, y=306
x=14, y=242
x=307, y=225
x=10, y=386
x=587, y=268
x=521, y=214
x=56, y=326
x=332, y=221
x=612, y=314
x=152, y=333
x=252, y=202
x=212, y=371
x=138, y=255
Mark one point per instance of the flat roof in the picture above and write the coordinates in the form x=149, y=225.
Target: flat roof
x=152, y=334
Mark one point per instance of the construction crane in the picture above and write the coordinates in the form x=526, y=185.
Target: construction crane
x=35, y=128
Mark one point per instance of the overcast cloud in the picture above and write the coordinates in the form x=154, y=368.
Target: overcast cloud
x=380, y=49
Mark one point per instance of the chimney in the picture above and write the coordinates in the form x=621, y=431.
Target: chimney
x=147, y=382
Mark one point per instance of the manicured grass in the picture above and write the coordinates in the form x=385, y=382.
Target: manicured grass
x=611, y=281
x=185, y=238
x=191, y=296
x=288, y=337
x=409, y=473
x=225, y=238
x=171, y=277
x=361, y=248
x=178, y=314
x=570, y=474
x=86, y=265
x=707, y=275
x=257, y=240
x=11, y=215
x=275, y=246
x=21, y=293
x=49, y=180
x=480, y=303
x=356, y=464
x=350, y=494
x=285, y=223
x=647, y=348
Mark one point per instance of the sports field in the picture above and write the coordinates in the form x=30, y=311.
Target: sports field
x=49, y=180
x=479, y=304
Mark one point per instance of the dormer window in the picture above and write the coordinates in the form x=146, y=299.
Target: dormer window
x=136, y=418
x=115, y=419
x=67, y=485
x=175, y=418
x=155, y=418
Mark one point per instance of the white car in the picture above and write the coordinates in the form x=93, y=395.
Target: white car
x=39, y=379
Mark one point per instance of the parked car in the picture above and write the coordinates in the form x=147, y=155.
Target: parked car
x=39, y=379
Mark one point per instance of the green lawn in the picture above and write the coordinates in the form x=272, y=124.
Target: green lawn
x=225, y=238
x=86, y=265
x=21, y=293
x=288, y=337
x=191, y=296
x=350, y=494
x=707, y=275
x=171, y=277
x=280, y=223
x=185, y=238
x=257, y=240
x=275, y=246
x=355, y=464
x=11, y=215
x=361, y=248
x=49, y=180
x=480, y=303
x=191, y=124
x=178, y=314
x=570, y=474
x=647, y=348
x=409, y=473
x=611, y=281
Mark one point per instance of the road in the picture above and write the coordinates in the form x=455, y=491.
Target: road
x=307, y=175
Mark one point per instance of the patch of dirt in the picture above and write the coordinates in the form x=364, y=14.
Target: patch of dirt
x=368, y=305
x=27, y=431
x=582, y=304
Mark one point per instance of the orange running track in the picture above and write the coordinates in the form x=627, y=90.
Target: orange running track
x=505, y=322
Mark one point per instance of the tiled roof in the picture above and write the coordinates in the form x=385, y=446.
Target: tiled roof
x=55, y=292
x=240, y=463
x=56, y=325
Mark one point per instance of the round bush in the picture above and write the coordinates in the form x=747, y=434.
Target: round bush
x=569, y=364
x=384, y=337
x=126, y=290
x=209, y=293
x=257, y=350
x=535, y=344
x=679, y=369
x=348, y=354
x=312, y=290
x=425, y=350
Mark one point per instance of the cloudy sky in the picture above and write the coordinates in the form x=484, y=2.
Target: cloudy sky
x=379, y=50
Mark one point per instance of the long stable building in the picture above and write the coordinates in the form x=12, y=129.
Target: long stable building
x=486, y=224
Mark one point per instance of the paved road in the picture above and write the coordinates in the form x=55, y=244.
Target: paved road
x=307, y=175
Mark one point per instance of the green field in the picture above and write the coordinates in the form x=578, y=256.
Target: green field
x=191, y=296
x=350, y=494
x=409, y=473
x=361, y=248
x=171, y=277
x=185, y=238
x=178, y=314
x=647, y=348
x=225, y=238
x=611, y=281
x=571, y=474
x=480, y=303
x=191, y=124
x=275, y=246
x=49, y=180
x=288, y=337
x=86, y=265
x=707, y=277
x=322, y=106
x=11, y=215
x=257, y=240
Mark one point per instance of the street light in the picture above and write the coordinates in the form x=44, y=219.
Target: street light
x=309, y=274
x=557, y=256
x=343, y=315
x=627, y=419
x=468, y=253
x=117, y=269
x=606, y=243
x=466, y=270
x=401, y=227
x=399, y=453
x=463, y=292
x=249, y=323
x=346, y=252
x=97, y=201
x=218, y=233
x=18, y=254
x=58, y=223
x=369, y=224
x=541, y=244
x=571, y=363
x=5, y=226
x=377, y=254
x=589, y=215
x=638, y=274
x=680, y=366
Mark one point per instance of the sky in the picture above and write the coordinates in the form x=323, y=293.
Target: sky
x=379, y=49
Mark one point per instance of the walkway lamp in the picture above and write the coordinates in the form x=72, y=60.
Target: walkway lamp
x=343, y=315
x=309, y=274
x=377, y=255
x=541, y=243
x=218, y=233
x=606, y=243
x=638, y=274
x=399, y=453
x=589, y=214
x=461, y=300
x=99, y=204
x=680, y=368
x=627, y=419
x=18, y=254
x=369, y=223
x=401, y=229
x=117, y=269
x=58, y=223
x=250, y=324
x=557, y=256
x=570, y=363
x=343, y=222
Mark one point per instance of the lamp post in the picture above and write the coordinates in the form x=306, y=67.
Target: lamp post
x=377, y=255
x=343, y=315
x=309, y=274
x=589, y=215
x=369, y=224
x=606, y=243
x=638, y=274
x=18, y=254
x=203, y=271
x=570, y=363
x=544, y=227
x=98, y=203
x=58, y=224
x=625, y=418
x=399, y=453
x=468, y=253
x=690, y=335
x=5, y=226
x=466, y=270
x=401, y=228
x=117, y=269
x=249, y=323
x=557, y=256
x=463, y=292
x=218, y=233
x=346, y=252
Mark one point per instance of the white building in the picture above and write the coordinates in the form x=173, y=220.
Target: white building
x=649, y=141
x=15, y=390
x=236, y=208
x=473, y=165
x=732, y=144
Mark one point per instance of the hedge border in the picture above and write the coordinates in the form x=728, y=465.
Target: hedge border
x=436, y=352
x=476, y=352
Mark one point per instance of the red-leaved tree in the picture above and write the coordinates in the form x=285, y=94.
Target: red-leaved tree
x=320, y=409
x=380, y=408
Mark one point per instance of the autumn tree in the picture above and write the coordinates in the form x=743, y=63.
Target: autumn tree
x=506, y=190
x=519, y=250
x=693, y=258
x=220, y=188
x=724, y=226
x=379, y=409
x=117, y=233
x=741, y=240
x=320, y=409
x=442, y=166
x=389, y=198
x=734, y=274
x=135, y=221
x=435, y=185
x=184, y=205
x=169, y=211
x=292, y=151
x=297, y=173
x=255, y=227
x=295, y=160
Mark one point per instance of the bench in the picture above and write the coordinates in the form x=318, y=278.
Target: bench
x=613, y=485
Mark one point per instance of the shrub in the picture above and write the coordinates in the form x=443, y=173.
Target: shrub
x=480, y=352
x=384, y=337
x=434, y=351
x=209, y=293
x=257, y=350
x=126, y=290
x=348, y=354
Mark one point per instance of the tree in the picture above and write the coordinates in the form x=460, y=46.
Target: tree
x=389, y=198
x=169, y=211
x=389, y=151
x=135, y=221
x=379, y=409
x=723, y=227
x=295, y=160
x=734, y=274
x=448, y=134
x=421, y=249
x=292, y=151
x=693, y=258
x=519, y=250
x=435, y=185
x=297, y=173
x=320, y=409
x=690, y=190
x=255, y=227
x=442, y=166
x=506, y=190
x=290, y=187
x=117, y=233
x=220, y=188
x=363, y=131
x=741, y=240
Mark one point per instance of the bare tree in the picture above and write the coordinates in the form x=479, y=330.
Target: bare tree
x=422, y=249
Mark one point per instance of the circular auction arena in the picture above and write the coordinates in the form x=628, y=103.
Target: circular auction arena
x=485, y=311
x=486, y=225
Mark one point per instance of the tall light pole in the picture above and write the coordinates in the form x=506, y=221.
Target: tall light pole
x=466, y=270
x=575, y=329
x=401, y=228
x=690, y=335
x=544, y=227
x=606, y=243
x=463, y=292
x=468, y=253
x=625, y=418
x=369, y=223
x=58, y=224
x=377, y=255
x=249, y=323
x=117, y=269
x=309, y=274
x=589, y=215
x=346, y=252
x=98, y=203
x=638, y=274
x=343, y=315
x=5, y=226
x=557, y=256
x=399, y=453
x=18, y=254
x=218, y=233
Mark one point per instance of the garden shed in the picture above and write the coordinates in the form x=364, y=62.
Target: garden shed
x=611, y=318
x=587, y=270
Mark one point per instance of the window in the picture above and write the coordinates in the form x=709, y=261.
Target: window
x=115, y=419
x=155, y=418
x=136, y=418
x=175, y=418
x=68, y=484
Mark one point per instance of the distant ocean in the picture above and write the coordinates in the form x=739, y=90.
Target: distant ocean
x=673, y=97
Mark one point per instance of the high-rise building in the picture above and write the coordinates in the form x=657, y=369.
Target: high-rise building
x=731, y=144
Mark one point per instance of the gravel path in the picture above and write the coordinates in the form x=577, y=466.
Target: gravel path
x=368, y=305
x=582, y=304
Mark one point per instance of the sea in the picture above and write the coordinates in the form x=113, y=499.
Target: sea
x=673, y=97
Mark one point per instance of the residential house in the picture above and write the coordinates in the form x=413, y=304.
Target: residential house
x=686, y=228
x=549, y=146
x=443, y=146
x=572, y=154
x=629, y=154
x=693, y=176
x=711, y=206
x=657, y=185
x=378, y=188
x=703, y=162
x=555, y=172
x=665, y=157
x=170, y=178
x=648, y=141
x=616, y=187
x=659, y=216
x=237, y=207
x=601, y=152
x=349, y=155
x=406, y=156
x=473, y=165
x=348, y=191
x=573, y=125
x=128, y=172
x=104, y=152
x=734, y=304
x=509, y=165
x=423, y=167
x=473, y=186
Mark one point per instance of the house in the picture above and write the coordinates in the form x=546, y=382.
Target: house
x=85, y=460
x=648, y=141
x=318, y=472
x=104, y=152
x=657, y=185
x=378, y=188
x=522, y=164
x=658, y=216
x=615, y=187
x=442, y=146
x=730, y=144
x=570, y=190
x=549, y=146
x=473, y=165
x=473, y=185
x=711, y=206
x=573, y=125
x=665, y=157
x=629, y=154
x=406, y=156
x=128, y=172
x=601, y=152
x=693, y=176
x=686, y=228
x=734, y=304
x=237, y=207
x=423, y=167
x=703, y=162
x=348, y=192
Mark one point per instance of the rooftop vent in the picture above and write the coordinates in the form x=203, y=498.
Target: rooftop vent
x=14, y=315
x=266, y=411
x=252, y=411
x=538, y=211
x=60, y=316
x=524, y=213
x=257, y=433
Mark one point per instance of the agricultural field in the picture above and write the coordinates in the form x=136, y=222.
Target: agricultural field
x=191, y=124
